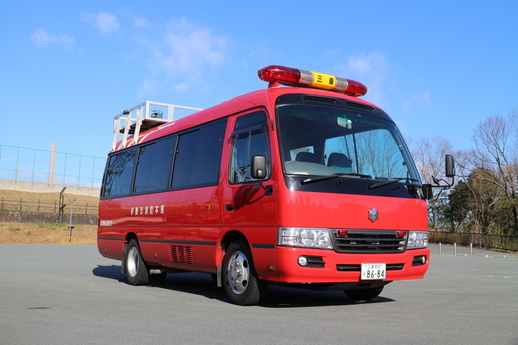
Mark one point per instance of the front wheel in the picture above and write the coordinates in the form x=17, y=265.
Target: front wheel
x=136, y=269
x=364, y=294
x=240, y=280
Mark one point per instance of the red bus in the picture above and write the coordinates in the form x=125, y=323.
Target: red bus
x=302, y=185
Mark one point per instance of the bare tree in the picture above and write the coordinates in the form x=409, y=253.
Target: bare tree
x=496, y=150
x=429, y=157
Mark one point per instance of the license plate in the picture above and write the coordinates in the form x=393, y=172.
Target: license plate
x=374, y=271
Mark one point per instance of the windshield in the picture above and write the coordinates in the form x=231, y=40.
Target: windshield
x=325, y=142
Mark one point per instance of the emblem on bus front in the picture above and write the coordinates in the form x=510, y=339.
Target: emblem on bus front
x=373, y=215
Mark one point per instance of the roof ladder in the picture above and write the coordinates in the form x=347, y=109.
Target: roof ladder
x=141, y=118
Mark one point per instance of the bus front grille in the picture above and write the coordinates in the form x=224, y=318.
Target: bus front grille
x=369, y=241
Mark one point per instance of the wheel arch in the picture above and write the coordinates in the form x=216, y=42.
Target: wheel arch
x=230, y=237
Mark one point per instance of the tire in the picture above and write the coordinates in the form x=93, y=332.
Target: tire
x=239, y=276
x=137, y=271
x=364, y=294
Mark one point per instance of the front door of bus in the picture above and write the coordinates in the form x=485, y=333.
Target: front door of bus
x=248, y=207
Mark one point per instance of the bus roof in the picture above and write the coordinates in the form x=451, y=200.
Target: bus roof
x=256, y=99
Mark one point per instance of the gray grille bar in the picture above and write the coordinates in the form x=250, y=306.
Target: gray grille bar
x=369, y=241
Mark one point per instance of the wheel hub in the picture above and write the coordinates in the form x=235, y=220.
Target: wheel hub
x=238, y=273
x=133, y=262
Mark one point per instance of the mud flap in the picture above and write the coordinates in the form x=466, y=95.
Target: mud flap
x=219, y=276
x=124, y=254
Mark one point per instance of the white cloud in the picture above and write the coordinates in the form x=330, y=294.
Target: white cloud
x=372, y=70
x=369, y=69
x=42, y=38
x=185, y=53
x=141, y=22
x=423, y=99
x=104, y=22
x=362, y=64
x=405, y=106
x=147, y=87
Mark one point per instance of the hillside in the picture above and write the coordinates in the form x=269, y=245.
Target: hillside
x=45, y=233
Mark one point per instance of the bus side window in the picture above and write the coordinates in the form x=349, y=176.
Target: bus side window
x=154, y=166
x=250, y=140
x=119, y=173
x=198, y=157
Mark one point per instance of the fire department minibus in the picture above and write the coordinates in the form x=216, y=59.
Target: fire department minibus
x=302, y=184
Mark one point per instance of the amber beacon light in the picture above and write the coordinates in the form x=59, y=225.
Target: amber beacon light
x=297, y=77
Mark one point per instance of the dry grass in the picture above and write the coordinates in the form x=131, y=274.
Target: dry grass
x=46, y=197
x=45, y=233
x=44, y=202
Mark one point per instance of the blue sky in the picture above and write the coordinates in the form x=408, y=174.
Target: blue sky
x=438, y=68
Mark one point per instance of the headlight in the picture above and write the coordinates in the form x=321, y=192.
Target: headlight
x=305, y=237
x=417, y=239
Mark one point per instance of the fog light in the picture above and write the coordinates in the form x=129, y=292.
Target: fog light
x=419, y=260
x=303, y=261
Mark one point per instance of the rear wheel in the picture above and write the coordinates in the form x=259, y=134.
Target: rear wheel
x=364, y=294
x=137, y=272
x=239, y=276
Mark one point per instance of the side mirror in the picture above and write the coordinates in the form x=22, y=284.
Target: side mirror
x=258, y=167
x=449, y=171
x=450, y=166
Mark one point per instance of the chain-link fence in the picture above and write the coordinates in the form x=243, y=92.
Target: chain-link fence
x=22, y=205
x=45, y=217
x=51, y=167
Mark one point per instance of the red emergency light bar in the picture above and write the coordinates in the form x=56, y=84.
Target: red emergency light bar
x=294, y=76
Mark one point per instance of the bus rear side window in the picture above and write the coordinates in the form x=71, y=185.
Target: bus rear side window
x=120, y=174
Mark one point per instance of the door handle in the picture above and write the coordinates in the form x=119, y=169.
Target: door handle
x=229, y=208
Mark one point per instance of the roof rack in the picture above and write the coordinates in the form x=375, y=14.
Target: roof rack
x=141, y=118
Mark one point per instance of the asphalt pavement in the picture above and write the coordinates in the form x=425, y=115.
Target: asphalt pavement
x=70, y=294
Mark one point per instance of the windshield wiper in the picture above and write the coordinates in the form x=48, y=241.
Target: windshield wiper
x=329, y=177
x=394, y=180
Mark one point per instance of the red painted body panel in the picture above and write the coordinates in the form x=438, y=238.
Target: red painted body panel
x=323, y=210
x=197, y=218
x=291, y=272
